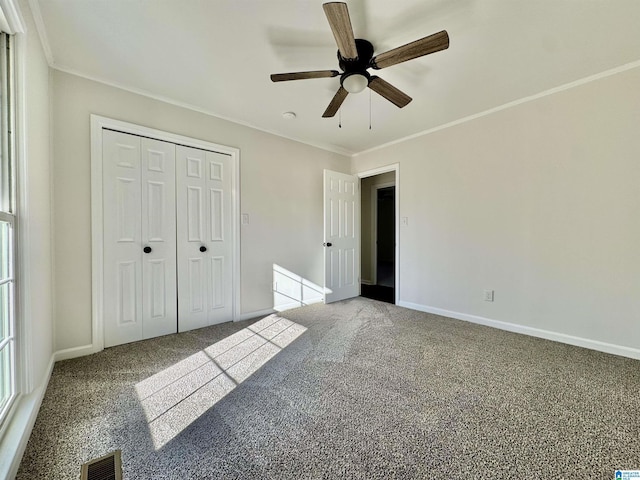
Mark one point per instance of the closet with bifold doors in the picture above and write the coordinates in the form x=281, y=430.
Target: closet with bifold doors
x=167, y=243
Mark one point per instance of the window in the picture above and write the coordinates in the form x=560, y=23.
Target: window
x=7, y=233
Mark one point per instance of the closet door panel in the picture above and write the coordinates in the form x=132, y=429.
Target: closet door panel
x=123, y=318
x=197, y=299
x=192, y=212
x=217, y=283
x=219, y=187
x=159, y=309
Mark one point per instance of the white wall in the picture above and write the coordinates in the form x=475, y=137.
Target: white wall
x=37, y=203
x=539, y=202
x=281, y=190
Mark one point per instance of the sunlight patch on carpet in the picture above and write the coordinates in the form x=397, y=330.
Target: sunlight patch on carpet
x=177, y=396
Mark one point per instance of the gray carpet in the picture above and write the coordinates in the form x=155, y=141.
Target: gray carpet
x=364, y=390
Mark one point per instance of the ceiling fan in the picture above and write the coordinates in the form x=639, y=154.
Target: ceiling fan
x=355, y=56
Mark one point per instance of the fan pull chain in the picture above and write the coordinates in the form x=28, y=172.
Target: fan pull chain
x=369, y=109
x=340, y=118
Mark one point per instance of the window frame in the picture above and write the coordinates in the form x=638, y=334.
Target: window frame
x=8, y=208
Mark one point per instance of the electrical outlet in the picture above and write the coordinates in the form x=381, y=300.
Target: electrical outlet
x=405, y=221
x=488, y=295
x=245, y=219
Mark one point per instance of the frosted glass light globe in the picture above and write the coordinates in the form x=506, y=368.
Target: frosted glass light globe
x=355, y=83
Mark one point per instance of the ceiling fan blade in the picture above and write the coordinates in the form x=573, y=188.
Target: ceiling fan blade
x=338, y=15
x=283, y=77
x=337, y=100
x=388, y=91
x=424, y=46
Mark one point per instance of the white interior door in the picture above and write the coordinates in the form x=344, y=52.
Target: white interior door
x=204, y=238
x=139, y=238
x=341, y=236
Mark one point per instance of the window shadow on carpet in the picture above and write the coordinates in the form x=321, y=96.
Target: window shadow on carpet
x=177, y=396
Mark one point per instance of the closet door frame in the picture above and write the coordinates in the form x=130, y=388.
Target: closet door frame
x=98, y=123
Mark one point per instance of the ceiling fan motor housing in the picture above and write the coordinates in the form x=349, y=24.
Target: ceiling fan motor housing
x=360, y=64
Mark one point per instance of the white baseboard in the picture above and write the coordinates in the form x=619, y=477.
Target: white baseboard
x=296, y=304
x=366, y=282
x=256, y=314
x=287, y=306
x=15, y=438
x=74, y=352
x=532, y=331
x=314, y=301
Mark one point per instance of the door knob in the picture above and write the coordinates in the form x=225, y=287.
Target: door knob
x=147, y=249
x=328, y=244
x=203, y=248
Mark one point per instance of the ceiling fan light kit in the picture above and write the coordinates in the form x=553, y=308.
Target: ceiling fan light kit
x=354, y=82
x=355, y=56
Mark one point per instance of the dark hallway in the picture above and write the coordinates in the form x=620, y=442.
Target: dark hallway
x=384, y=288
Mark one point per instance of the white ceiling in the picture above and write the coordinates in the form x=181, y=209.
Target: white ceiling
x=216, y=56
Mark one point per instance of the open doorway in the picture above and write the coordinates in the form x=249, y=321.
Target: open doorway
x=378, y=237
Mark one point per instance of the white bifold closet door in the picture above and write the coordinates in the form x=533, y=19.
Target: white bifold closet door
x=139, y=238
x=168, y=239
x=204, y=235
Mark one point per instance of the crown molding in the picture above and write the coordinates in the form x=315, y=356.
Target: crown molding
x=170, y=101
x=12, y=19
x=36, y=13
x=551, y=91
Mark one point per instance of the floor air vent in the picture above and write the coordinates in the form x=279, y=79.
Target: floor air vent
x=108, y=467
